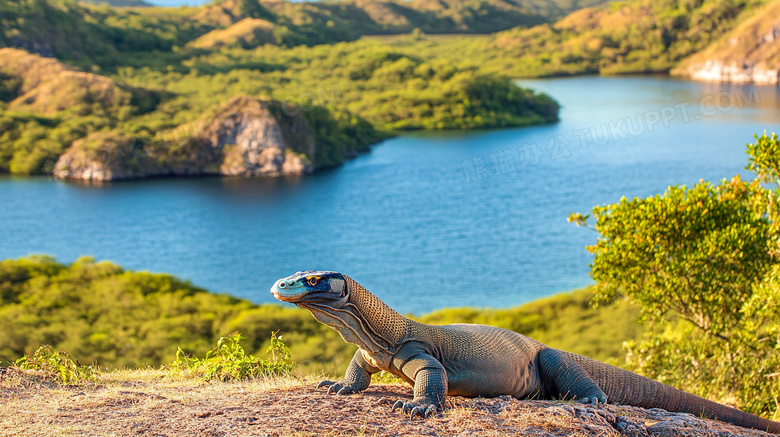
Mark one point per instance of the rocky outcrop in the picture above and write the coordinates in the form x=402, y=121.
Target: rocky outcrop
x=245, y=137
x=736, y=72
x=261, y=138
x=749, y=53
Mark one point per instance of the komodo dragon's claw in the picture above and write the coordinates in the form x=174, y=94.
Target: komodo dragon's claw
x=594, y=399
x=414, y=409
x=338, y=387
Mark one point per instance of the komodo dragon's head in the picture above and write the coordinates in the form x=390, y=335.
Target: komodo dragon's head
x=341, y=303
x=312, y=287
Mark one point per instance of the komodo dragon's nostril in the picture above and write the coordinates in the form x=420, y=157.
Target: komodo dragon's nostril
x=282, y=284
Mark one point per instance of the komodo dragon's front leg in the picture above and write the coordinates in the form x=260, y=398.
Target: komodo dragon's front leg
x=428, y=374
x=355, y=380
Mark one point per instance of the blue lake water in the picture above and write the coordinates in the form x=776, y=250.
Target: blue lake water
x=426, y=220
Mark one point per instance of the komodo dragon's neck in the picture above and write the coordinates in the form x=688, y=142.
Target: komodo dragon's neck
x=364, y=320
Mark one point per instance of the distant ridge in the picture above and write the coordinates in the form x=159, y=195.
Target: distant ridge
x=120, y=3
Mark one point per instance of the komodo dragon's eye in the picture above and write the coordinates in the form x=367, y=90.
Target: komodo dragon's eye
x=313, y=281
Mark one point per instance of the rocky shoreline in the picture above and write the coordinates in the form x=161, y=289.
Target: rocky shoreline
x=731, y=72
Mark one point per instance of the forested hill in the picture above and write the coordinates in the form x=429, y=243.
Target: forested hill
x=80, y=31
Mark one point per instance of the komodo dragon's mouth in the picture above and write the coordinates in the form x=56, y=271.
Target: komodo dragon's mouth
x=287, y=295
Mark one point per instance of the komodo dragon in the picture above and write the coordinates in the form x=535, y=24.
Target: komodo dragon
x=473, y=360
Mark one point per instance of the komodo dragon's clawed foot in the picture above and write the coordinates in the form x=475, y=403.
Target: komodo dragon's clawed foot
x=414, y=409
x=593, y=399
x=340, y=387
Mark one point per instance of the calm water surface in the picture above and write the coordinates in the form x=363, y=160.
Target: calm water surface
x=419, y=220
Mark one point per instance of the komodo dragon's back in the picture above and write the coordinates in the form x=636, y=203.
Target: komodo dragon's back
x=474, y=360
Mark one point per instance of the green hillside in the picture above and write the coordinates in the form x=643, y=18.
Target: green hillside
x=102, y=313
x=627, y=37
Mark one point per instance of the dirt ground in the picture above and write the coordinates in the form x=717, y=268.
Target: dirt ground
x=148, y=403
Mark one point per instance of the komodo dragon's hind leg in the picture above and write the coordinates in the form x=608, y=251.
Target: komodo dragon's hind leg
x=568, y=379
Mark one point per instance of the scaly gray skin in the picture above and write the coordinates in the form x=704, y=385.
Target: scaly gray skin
x=473, y=360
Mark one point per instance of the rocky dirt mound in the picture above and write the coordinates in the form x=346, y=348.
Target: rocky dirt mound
x=161, y=406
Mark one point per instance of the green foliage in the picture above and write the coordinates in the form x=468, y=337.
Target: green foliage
x=765, y=158
x=705, y=258
x=392, y=86
x=695, y=252
x=57, y=365
x=229, y=361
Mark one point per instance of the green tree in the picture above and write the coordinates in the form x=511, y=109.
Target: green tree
x=702, y=261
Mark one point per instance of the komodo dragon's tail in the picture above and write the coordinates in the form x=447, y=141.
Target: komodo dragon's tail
x=627, y=388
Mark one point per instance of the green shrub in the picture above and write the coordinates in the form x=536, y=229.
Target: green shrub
x=229, y=361
x=704, y=259
x=59, y=366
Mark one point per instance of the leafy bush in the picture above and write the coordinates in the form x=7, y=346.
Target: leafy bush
x=705, y=258
x=229, y=361
x=57, y=365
